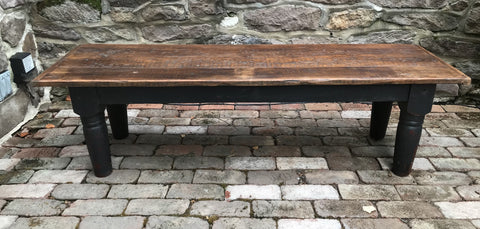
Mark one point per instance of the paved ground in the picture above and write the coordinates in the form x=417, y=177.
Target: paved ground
x=239, y=166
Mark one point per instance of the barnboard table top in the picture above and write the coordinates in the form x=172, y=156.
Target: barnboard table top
x=113, y=65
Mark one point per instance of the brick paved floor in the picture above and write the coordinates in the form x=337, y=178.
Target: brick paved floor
x=242, y=166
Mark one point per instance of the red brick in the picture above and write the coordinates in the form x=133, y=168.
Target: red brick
x=178, y=150
x=145, y=106
x=217, y=107
x=187, y=106
x=356, y=106
x=291, y=106
x=37, y=152
x=323, y=106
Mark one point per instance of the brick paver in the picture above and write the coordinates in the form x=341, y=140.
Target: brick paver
x=235, y=166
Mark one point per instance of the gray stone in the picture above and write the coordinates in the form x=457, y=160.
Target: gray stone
x=383, y=177
x=273, y=177
x=368, y=192
x=80, y=191
x=106, y=34
x=283, y=18
x=321, y=151
x=336, y=2
x=451, y=46
x=116, y=177
x=315, y=40
x=132, y=150
x=221, y=208
x=205, y=140
x=290, y=209
x=126, y=3
x=429, y=193
x=126, y=222
x=62, y=140
x=3, y=60
x=277, y=151
x=219, y=177
x=351, y=18
x=164, y=12
x=252, y=1
x=160, y=33
x=7, y=4
x=272, y=130
x=471, y=192
x=374, y=223
x=30, y=46
x=196, y=191
x=352, y=163
x=43, y=163
x=472, y=24
x=228, y=130
x=198, y=163
x=157, y=207
x=298, y=140
x=15, y=176
x=131, y=191
x=71, y=12
x=49, y=53
x=250, y=163
x=244, y=223
x=54, y=31
x=429, y=4
x=176, y=222
x=344, y=209
x=122, y=15
x=408, y=209
x=159, y=139
x=166, y=177
x=460, y=210
x=456, y=164
x=436, y=22
x=252, y=140
x=46, y=223
x=387, y=37
x=58, y=176
x=147, y=163
x=470, y=68
x=331, y=177
x=40, y=207
x=201, y=8
x=226, y=151
x=12, y=28
x=441, y=178
x=96, y=207
x=440, y=224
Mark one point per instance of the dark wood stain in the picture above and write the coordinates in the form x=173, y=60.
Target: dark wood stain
x=113, y=65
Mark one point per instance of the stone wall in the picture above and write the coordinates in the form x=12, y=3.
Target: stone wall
x=16, y=35
x=448, y=28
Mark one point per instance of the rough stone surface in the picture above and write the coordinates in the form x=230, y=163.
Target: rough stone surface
x=309, y=223
x=221, y=208
x=25, y=191
x=39, y=207
x=284, y=163
x=440, y=223
x=202, y=8
x=7, y=4
x=472, y=24
x=441, y=178
x=429, y=4
x=429, y=21
x=166, y=177
x=116, y=177
x=331, y=177
x=460, y=210
x=408, y=209
x=361, y=17
x=387, y=37
x=470, y=68
x=368, y=192
x=344, y=208
x=289, y=209
x=451, y=47
x=198, y=163
x=96, y=207
x=469, y=192
x=80, y=191
x=54, y=31
x=219, y=177
x=196, y=191
x=176, y=222
x=162, y=33
x=156, y=207
x=283, y=18
x=71, y=12
x=164, y=12
x=374, y=223
x=130, y=191
x=273, y=177
x=250, y=163
x=127, y=222
x=58, y=176
x=12, y=28
x=105, y=34
x=252, y=1
x=46, y=222
x=266, y=192
x=309, y=192
x=147, y=163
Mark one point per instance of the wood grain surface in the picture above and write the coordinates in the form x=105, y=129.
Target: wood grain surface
x=113, y=65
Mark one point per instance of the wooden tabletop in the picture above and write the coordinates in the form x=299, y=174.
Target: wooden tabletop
x=113, y=65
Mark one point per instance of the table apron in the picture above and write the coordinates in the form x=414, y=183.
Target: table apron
x=324, y=93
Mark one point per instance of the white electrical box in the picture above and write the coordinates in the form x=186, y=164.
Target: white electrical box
x=5, y=85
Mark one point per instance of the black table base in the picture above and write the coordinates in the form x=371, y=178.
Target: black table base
x=415, y=102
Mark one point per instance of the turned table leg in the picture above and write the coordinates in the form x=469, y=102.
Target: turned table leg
x=117, y=114
x=86, y=103
x=409, y=130
x=379, y=119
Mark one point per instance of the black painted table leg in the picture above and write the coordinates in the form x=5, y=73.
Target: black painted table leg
x=409, y=130
x=117, y=114
x=86, y=103
x=379, y=119
x=96, y=137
